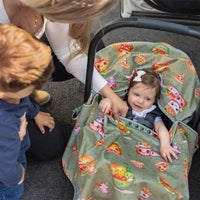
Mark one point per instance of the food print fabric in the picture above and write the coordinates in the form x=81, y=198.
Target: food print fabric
x=114, y=160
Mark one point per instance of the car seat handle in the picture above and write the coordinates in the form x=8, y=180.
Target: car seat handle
x=131, y=22
x=138, y=23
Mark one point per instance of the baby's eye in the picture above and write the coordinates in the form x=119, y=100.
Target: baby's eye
x=148, y=99
x=136, y=94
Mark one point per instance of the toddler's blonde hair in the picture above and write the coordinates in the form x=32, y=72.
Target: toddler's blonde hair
x=24, y=61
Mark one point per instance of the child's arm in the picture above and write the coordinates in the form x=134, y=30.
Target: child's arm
x=41, y=118
x=105, y=105
x=166, y=149
x=11, y=172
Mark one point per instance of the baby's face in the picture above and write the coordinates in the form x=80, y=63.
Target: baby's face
x=141, y=97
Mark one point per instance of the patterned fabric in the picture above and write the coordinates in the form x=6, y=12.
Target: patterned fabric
x=109, y=160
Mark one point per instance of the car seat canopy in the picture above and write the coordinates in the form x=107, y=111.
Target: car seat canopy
x=180, y=86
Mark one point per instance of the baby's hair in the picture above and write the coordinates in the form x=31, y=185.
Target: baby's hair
x=150, y=78
x=24, y=61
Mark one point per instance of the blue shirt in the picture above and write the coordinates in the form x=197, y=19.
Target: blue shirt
x=10, y=144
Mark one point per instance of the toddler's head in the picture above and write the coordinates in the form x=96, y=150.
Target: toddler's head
x=24, y=61
x=144, y=89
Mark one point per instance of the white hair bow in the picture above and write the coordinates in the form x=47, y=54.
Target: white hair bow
x=139, y=75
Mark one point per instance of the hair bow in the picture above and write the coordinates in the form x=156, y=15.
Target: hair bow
x=139, y=75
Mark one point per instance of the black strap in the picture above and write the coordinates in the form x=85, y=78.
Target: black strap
x=157, y=6
x=190, y=7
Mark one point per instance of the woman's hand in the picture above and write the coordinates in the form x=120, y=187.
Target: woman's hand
x=44, y=119
x=119, y=107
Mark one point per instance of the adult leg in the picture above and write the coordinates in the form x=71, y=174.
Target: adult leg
x=60, y=73
x=46, y=146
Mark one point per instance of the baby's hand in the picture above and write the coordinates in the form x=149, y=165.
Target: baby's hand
x=105, y=105
x=167, y=151
x=23, y=125
x=44, y=119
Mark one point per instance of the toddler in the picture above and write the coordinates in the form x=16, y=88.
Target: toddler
x=24, y=66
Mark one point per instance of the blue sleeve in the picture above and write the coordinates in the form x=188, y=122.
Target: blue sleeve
x=33, y=110
x=158, y=118
x=10, y=169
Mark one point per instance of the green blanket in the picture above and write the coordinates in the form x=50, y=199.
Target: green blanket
x=106, y=159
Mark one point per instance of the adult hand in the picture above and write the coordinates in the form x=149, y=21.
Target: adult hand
x=44, y=119
x=120, y=107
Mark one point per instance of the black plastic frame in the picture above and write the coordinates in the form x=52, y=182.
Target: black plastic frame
x=138, y=23
x=186, y=7
x=188, y=17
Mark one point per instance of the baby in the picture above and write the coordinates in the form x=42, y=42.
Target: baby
x=142, y=94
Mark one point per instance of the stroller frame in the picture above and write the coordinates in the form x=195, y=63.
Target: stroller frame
x=160, y=12
x=137, y=23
